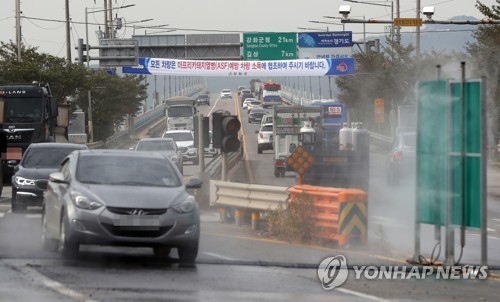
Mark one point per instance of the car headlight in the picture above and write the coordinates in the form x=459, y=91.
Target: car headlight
x=190, y=146
x=83, y=202
x=187, y=206
x=24, y=181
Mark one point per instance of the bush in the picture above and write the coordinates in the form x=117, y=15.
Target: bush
x=296, y=222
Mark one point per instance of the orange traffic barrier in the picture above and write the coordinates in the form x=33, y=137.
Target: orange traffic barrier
x=339, y=214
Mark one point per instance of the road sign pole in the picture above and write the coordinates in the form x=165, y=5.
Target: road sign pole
x=449, y=233
x=484, y=206
x=224, y=167
x=201, y=143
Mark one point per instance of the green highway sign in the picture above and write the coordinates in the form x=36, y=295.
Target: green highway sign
x=269, y=46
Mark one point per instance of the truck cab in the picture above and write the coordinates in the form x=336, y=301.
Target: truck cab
x=180, y=113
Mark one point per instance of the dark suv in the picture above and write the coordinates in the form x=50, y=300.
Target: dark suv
x=203, y=99
x=31, y=175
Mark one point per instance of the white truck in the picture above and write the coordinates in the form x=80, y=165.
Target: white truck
x=180, y=113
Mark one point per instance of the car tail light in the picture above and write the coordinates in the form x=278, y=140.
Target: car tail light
x=280, y=164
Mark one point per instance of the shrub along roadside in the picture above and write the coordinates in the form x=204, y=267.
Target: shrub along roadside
x=296, y=222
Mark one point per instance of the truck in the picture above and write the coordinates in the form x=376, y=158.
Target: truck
x=270, y=94
x=180, y=113
x=254, y=86
x=28, y=114
x=333, y=166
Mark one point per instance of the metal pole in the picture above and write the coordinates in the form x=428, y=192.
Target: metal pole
x=484, y=200
x=91, y=127
x=449, y=231
x=330, y=87
x=311, y=87
x=319, y=85
x=364, y=37
x=224, y=167
x=68, y=41
x=462, y=156
x=110, y=19
x=106, y=24
x=398, y=29
x=87, y=37
x=169, y=86
x=417, y=31
x=18, y=30
x=437, y=228
x=201, y=147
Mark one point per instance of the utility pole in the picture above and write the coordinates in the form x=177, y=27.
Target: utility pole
x=398, y=29
x=110, y=17
x=417, y=30
x=68, y=41
x=18, y=29
x=106, y=24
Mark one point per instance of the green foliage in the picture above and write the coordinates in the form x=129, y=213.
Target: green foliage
x=113, y=97
x=296, y=222
x=390, y=75
x=485, y=55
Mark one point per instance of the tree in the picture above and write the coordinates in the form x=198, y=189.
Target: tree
x=485, y=53
x=113, y=97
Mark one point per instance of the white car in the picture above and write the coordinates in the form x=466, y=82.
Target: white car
x=267, y=119
x=247, y=102
x=226, y=93
x=185, y=141
x=254, y=104
x=265, y=138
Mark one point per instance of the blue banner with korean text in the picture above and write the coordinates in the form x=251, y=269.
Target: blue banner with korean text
x=305, y=67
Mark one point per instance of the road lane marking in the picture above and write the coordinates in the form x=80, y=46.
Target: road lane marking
x=213, y=107
x=33, y=216
x=222, y=257
x=360, y=295
x=37, y=277
x=495, y=219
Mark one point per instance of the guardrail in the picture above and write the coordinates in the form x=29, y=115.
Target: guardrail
x=241, y=196
x=140, y=121
x=381, y=142
x=214, y=167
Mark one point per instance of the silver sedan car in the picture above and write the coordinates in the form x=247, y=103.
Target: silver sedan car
x=122, y=198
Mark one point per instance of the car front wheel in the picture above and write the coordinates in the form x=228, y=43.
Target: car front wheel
x=67, y=248
x=188, y=253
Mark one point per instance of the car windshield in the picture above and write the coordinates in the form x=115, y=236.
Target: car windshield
x=257, y=111
x=23, y=110
x=179, y=136
x=226, y=91
x=157, y=145
x=45, y=157
x=126, y=170
x=203, y=96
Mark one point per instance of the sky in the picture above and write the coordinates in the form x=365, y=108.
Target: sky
x=204, y=16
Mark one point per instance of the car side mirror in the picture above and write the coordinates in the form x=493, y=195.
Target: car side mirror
x=257, y=132
x=194, y=183
x=57, y=177
x=11, y=163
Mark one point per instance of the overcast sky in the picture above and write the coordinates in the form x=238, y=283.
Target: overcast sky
x=222, y=15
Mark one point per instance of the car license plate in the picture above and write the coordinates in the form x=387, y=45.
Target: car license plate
x=138, y=222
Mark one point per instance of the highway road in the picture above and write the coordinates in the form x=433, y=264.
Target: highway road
x=236, y=263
